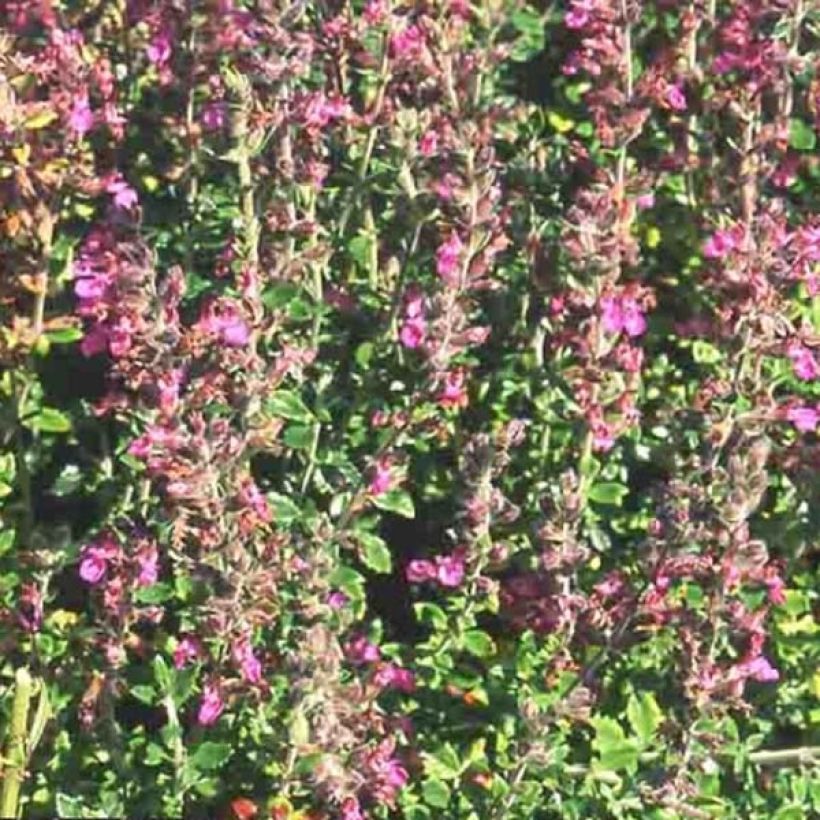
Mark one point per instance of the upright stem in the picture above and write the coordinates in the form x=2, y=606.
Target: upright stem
x=15, y=753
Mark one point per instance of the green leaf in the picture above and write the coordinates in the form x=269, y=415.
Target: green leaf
x=6, y=541
x=802, y=136
x=144, y=694
x=559, y=122
x=65, y=335
x=479, y=643
x=154, y=594
x=705, y=353
x=608, y=493
x=396, y=501
x=644, y=715
x=359, y=248
x=615, y=751
x=288, y=405
x=436, y=793
x=49, y=420
x=210, y=755
x=443, y=764
x=375, y=554
x=298, y=436
x=162, y=674
x=432, y=614
x=284, y=510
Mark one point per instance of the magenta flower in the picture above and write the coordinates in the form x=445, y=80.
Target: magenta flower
x=578, y=15
x=759, y=669
x=419, y=571
x=214, y=116
x=186, y=651
x=622, y=314
x=382, y=479
x=450, y=571
x=448, y=259
x=413, y=332
x=125, y=196
x=407, y=43
x=454, y=391
x=81, y=118
x=211, y=706
x=803, y=361
x=224, y=320
x=247, y=661
x=159, y=49
x=428, y=143
x=148, y=563
x=96, y=557
x=360, y=651
x=804, y=418
x=675, y=98
x=95, y=341
x=721, y=243
x=395, y=677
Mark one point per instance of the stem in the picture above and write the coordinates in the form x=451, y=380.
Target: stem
x=15, y=755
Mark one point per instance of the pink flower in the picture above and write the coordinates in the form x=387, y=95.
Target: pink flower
x=419, y=571
x=454, y=392
x=93, y=567
x=95, y=341
x=350, y=808
x=721, y=243
x=448, y=259
x=622, y=314
x=360, y=651
x=186, y=651
x=247, y=661
x=159, y=49
x=382, y=478
x=675, y=98
x=96, y=556
x=148, y=563
x=211, y=706
x=337, y=600
x=374, y=12
x=450, y=571
x=412, y=332
x=224, y=320
x=407, y=43
x=759, y=669
x=645, y=201
x=428, y=143
x=578, y=16
x=81, y=118
x=803, y=361
x=125, y=196
x=803, y=418
x=214, y=116
x=396, y=677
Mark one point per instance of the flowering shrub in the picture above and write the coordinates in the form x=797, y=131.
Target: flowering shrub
x=410, y=410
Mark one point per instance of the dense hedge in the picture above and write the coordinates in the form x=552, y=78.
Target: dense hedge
x=409, y=409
